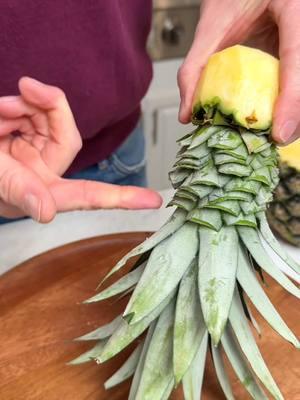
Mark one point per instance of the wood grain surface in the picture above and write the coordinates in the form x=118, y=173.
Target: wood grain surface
x=41, y=312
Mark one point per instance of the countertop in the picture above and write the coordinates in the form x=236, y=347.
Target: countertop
x=24, y=239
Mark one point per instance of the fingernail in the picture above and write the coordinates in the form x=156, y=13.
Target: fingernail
x=292, y=139
x=33, y=206
x=140, y=198
x=287, y=130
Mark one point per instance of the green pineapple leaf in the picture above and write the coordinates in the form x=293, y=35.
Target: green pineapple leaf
x=193, y=378
x=126, y=370
x=218, y=256
x=188, y=330
x=249, y=347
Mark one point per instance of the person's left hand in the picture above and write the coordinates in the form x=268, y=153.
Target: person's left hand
x=38, y=141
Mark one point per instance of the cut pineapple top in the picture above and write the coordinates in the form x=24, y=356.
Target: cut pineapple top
x=241, y=82
x=291, y=154
x=189, y=283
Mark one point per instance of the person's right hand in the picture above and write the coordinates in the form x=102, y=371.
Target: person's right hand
x=38, y=141
x=271, y=25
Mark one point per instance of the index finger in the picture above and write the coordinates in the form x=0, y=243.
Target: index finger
x=82, y=194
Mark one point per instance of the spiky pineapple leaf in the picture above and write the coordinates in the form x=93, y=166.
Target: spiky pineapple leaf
x=218, y=257
x=261, y=175
x=226, y=139
x=264, y=196
x=256, y=294
x=254, y=322
x=240, y=152
x=222, y=158
x=252, y=241
x=177, y=176
x=193, y=378
x=123, y=284
x=229, y=206
x=186, y=139
x=186, y=194
x=251, y=207
x=126, y=370
x=187, y=162
x=90, y=354
x=168, y=391
x=208, y=175
x=273, y=243
x=171, y=226
x=206, y=217
x=240, y=220
x=203, y=134
x=242, y=185
x=199, y=190
x=103, y=332
x=221, y=372
x=126, y=334
x=235, y=169
x=158, y=372
x=253, y=142
x=165, y=268
x=249, y=347
x=189, y=327
x=230, y=196
x=247, y=310
x=181, y=203
x=240, y=366
x=141, y=364
x=197, y=152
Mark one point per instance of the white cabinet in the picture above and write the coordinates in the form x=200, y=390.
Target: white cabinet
x=162, y=146
x=161, y=126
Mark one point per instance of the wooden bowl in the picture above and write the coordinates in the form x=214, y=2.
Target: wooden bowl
x=41, y=312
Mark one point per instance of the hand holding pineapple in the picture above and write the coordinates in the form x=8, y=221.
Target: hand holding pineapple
x=272, y=25
x=32, y=162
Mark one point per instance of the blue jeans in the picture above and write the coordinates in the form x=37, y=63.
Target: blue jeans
x=126, y=166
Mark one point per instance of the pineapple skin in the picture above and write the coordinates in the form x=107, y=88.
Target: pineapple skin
x=284, y=211
x=240, y=82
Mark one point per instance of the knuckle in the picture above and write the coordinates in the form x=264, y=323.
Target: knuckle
x=290, y=53
x=183, y=72
x=59, y=96
x=8, y=211
x=88, y=199
x=100, y=195
x=292, y=93
x=77, y=143
x=9, y=182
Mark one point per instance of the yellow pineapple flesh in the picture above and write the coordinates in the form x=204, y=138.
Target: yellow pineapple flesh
x=241, y=82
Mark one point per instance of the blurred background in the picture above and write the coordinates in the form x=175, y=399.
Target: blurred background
x=173, y=26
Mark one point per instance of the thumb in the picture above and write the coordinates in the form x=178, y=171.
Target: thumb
x=287, y=108
x=222, y=24
x=23, y=189
x=216, y=18
x=82, y=194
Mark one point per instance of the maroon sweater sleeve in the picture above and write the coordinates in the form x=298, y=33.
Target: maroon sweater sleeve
x=94, y=50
